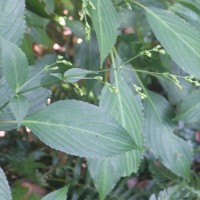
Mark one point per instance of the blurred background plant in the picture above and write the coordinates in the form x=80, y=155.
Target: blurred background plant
x=54, y=28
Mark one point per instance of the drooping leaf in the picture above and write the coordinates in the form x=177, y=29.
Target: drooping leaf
x=14, y=63
x=104, y=19
x=60, y=194
x=126, y=108
x=79, y=128
x=5, y=193
x=179, y=38
x=12, y=23
x=174, y=152
x=19, y=105
x=76, y=74
x=188, y=110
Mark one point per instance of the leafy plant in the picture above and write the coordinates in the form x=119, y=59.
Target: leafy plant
x=115, y=92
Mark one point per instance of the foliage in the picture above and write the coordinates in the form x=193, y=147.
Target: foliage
x=99, y=99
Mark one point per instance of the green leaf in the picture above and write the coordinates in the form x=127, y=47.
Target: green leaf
x=5, y=193
x=126, y=108
x=87, y=54
x=14, y=63
x=175, y=192
x=174, y=152
x=76, y=74
x=37, y=98
x=39, y=35
x=12, y=23
x=104, y=175
x=79, y=128
x=42, y=8
x=26, y=47
x=174, y=94
x=104, y=19
x=188, y=110
x=19, y=105
x=179, y=38
x=60, y=194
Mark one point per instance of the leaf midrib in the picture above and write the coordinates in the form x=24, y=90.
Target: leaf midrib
x=73, y=128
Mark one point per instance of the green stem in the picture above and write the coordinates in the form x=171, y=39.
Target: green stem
x=34, y=77
x=38, y=86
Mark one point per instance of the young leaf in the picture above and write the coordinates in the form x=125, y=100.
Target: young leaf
x=19, y=105
x=104, y=19
x=5, y=193
x=180, y=39
x=12, y=23
x=189, y=108
x=76, y=74
x=126, y=108
x=174, y=152
x=79, y=128
x=60, y=194
x=14, y=63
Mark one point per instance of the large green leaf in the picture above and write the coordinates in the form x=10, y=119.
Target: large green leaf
x=188, y=110
x=174, y=152
x=60, y=194
x=79, y=128
x=14, y=63
x=179, y=38
x=126, y=108
x=104, y=19
x=12, y=23
x=5, y=193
